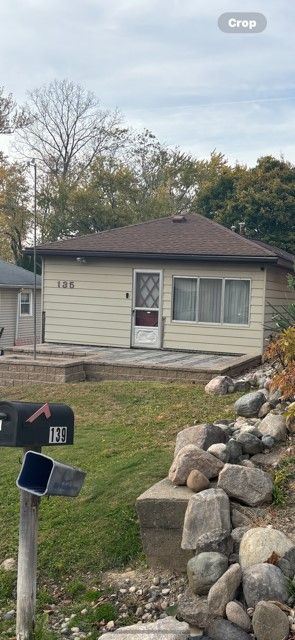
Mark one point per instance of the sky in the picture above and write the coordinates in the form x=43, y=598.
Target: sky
x=166, y=66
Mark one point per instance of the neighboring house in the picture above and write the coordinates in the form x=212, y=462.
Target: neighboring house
x=16, y=305
x=184, y=283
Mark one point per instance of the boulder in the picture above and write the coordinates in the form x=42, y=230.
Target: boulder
x=250, y=443
x=264, y=582
x=220, y=451
x=274, y=425
x=242, y=385
x=250, y=486
x=265, y=409
x=197, y=481
x=207, y=520
x=259, y=543
x=224, y=630
x=201, y=435
x=235, y=451
x=237, y=615
x=204, y=570
x=243, y=516
x=270, y=622
x=249, y=404
x=164, y=629
x=193, y=609
x=268, y=442
x=287, y=563
x=224, y=590
x=192, y=457
x=220, y=385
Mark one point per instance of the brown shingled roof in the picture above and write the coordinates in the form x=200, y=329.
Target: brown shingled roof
x=196, y=237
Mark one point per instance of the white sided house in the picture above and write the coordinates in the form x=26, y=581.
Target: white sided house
x=182, y=283
x=16, y=306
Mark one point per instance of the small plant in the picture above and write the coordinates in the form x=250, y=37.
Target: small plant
x=291, y=587
x=281, y=479
x=282, y=352
x=42, y=632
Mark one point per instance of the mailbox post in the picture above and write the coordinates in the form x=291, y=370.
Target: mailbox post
x=31, y=426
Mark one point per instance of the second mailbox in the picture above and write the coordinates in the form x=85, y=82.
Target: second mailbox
x=28, y=424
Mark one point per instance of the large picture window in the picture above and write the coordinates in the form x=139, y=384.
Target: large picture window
x=211, y=300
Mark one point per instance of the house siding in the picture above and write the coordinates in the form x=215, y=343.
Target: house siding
x=277, y=293
x=25, y=333
x=17, y=330
x=97, y=312
x=8, y=315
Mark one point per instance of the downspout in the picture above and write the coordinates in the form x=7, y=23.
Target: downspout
x=17, y=316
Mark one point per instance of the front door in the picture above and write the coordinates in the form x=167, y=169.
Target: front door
x=146, y=313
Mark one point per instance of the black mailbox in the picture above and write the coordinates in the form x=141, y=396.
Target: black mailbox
x=28, y=424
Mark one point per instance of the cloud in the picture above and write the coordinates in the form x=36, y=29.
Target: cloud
x=166, y=65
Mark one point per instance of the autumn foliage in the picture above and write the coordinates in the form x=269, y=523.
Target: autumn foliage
x=281, y=351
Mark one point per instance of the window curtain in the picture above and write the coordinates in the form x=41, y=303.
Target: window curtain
x=185, y=299
x=210, y=300
x=236, y=301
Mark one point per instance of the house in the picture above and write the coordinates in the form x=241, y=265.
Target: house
x=184, y=283
x=16, y=305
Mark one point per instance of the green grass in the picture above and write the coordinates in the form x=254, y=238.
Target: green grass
x=125, y=435
x=282, y=477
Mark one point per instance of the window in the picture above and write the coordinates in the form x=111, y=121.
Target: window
x=185, y=299
x=211, y=300
x=25, y=303
x=236, y=301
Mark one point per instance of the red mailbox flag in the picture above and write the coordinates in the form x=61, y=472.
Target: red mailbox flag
x=45, y=409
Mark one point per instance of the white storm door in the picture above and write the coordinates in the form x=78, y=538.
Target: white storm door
x=146, y=313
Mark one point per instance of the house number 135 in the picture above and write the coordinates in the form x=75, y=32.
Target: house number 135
x=65, y=284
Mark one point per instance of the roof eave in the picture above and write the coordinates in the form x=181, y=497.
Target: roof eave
x=152, y=256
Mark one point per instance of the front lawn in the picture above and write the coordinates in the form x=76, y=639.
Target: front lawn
x=125, y=434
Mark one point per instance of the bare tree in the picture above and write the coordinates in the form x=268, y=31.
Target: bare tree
x=11, y=118
x=68, y=129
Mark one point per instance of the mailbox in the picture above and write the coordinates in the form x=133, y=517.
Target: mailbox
x=29, y=424
x=43, y=476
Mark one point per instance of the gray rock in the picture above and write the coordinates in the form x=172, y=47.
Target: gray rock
x=249, y=405
x=264, y=582
x=287, y=563
x=204, y=570
x=259, y=543
x=235, y=451
x=243, y=516
x=9, y=564
x=224, y=630
x=220, y=385
x=268, y=442
x=242, y=385
x=207, y=520
x=201, y=435
x=250, y=443
x=224, y=590
x=192, y=457
x=274, y=425
x=220, y=451
x=193, y=609
x=265, y=409
x=248, y=463
x=164, y=629
x=237, y=615
x=250, y=486
x=270, y=622
x=237, y=535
